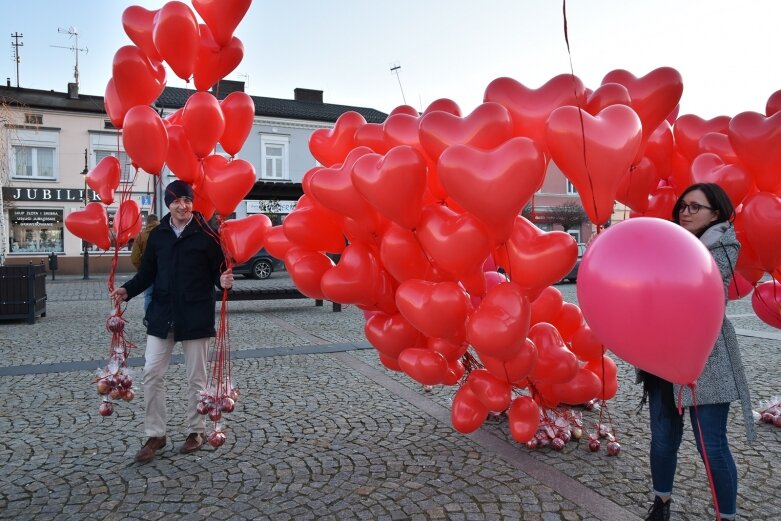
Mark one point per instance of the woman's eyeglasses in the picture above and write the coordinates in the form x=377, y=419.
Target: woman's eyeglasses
x=692, y=207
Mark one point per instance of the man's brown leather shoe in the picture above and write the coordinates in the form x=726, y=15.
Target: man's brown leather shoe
x=193, y=442
x=152, y=445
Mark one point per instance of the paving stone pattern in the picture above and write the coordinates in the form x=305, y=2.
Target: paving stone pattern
x=325, y=435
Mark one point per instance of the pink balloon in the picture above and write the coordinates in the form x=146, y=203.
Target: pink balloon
x=766, y=302
x=636, y=284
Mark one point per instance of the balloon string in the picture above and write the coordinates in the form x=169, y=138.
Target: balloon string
x=580, y=109
x=705, y=454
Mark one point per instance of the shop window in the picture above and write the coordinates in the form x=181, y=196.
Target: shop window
x=35, y=230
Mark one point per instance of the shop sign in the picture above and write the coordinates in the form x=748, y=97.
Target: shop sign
x=47, y=194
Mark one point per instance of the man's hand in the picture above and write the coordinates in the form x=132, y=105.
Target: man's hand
x=226, y=279
x=119, y=295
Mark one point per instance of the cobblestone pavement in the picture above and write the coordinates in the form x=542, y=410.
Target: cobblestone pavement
x=323, y=431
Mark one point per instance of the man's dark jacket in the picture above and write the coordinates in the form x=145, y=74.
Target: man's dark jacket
x=184, y=271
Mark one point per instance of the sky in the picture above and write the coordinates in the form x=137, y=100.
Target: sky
x=726, y=51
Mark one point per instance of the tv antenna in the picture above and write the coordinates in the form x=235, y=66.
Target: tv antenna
x=246, y=80
x=16, y=44
x=394, y=67
x=72, y=32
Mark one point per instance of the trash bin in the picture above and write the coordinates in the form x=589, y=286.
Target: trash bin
x=53, y=263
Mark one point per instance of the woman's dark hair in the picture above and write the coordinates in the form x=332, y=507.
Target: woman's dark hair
x=717, y=199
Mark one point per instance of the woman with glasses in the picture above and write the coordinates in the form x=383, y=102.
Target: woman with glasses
x=705, y=210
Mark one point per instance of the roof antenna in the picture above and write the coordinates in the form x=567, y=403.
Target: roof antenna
x=246, y=80
x=17, y=58
x=394, y=67
x=72, y=32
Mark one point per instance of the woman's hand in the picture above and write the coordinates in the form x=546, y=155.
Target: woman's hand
x=226, y=279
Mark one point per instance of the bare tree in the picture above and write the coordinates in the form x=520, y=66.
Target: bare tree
x=6, y=125
x=568, y=215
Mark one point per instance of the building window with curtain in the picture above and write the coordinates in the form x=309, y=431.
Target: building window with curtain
x=34, y=154
x=274, y=157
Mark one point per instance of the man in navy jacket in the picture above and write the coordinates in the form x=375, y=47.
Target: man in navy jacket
x=182, y=260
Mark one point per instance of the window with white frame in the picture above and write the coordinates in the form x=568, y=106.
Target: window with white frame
x=274, y=157
x=124, y=161
x=571, y=190
x=34, y=154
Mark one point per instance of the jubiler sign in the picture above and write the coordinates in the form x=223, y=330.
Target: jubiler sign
x=48, y=194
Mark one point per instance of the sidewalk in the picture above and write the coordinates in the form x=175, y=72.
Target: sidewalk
x=323, y=431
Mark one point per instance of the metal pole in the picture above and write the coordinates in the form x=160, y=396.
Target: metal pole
x=86, y=201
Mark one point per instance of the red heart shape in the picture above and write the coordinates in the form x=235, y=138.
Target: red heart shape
x=607, y=372
x=773, y=104
x=213, y=62
x=606, y=95
x=757, y=142
x=586, y=345
x=766, y=302
x=243, y=238
x=180, y=158
x=555, y=362
x=761, y=219
x=718, y=143
x=145, y=138
x=710, y=168
x=516, y=369
x=437, y=309
x=530, y=108
x=391, y=334
x=403, y=256
x=239, y=111
x=175, y=34
x=636, y=185
x=203, y=122
x=277, y=243
x=138, y=24
x=127, y=222
x=582, y=388
x=456, y=243
x=332, y=145
x=523, y=418
x=226, y=183
x=314, y=227
x=393, y=184
x=334, y=189
x=689, y=129
x=138, y=80
x=488, y=126
x=306, y=269
x=90, y=224
x=399, y=129
x=424, y=365
x=451, y=349
x=498, y=327
x=467, y=413
x=547, y=305
x=104, y=178
x=495, y=394
x=222, y=16
x=507, y=177
x=355, y=279
x=659, y=149
x=661, y=203
x=113, y=105
x=535, y=259
x=612, y=140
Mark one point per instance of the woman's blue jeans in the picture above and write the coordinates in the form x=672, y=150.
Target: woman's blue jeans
x=666, y=433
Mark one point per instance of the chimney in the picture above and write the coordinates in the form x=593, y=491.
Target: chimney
x=225, y=87
x=73, y=90
x=8, y=82
x=308, y=95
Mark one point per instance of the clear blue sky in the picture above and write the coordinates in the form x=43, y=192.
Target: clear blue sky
x=727, y=51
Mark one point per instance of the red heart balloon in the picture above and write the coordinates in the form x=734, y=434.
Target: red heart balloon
x=499, y=326
x=138, y=24
x=766, y=303
x=226, y=183
x=530, y=108
x=607, y=372
x=495, y=394
x=424, y=365
x=606, y=95
x=546, y=306
x=739, y=287
x=202, y=204
x=127, y=222
x=681, y=174
x=113, y=105
x=138, y=80
x=661, y=203
x=710, y=168
x=659, y=149
x=355, y=279
x=523, y=417
x=213, y=62
x=761, y=220
x=507, y=175
x=451, y=349
x=456, y=243
x=689, y=129
x=612, y=140
x=437, y=309
x=773, y=103
x=467, y=413
x=222, y=16
x=145, y=138
x=718, y=143
x=585, y=344
x=277, y=243
x=403, y=256
x=535, y=259
x=203, y=123
x=748, y=262
x=393, y=184
x=568, y=321
x=399, y=129
x=555, y=362
x=334, y=189
x=391, y=334
x=444, y=105
x=243, y=238
x=636, y=185
x=582, y=388
x=306, y=269
x=488, y=126
x=516, y=369
x=175, y=34
x=757, y=142
x=331, y=146
x=180, y=158
x=239, y=111
x=90, y=224
x=314, y=227
x=104, y=178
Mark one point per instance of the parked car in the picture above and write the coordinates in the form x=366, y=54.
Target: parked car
x=572, y=276
x=260, y=266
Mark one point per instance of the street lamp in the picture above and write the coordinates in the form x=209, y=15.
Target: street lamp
x=85, y=249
